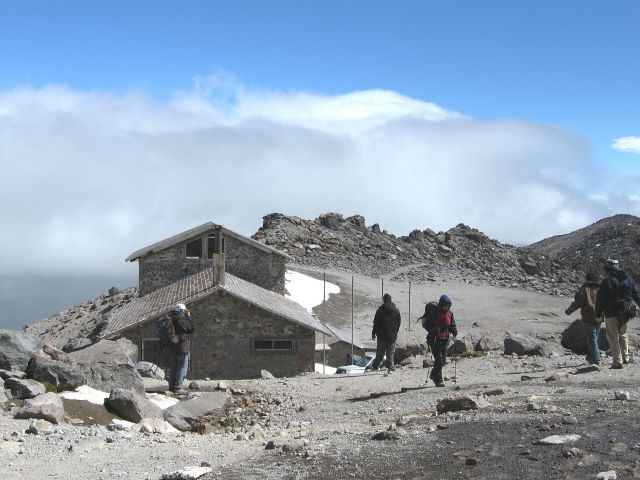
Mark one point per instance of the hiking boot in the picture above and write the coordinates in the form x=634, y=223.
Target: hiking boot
x=628, y=360
x=440, y=384
x=616, y=366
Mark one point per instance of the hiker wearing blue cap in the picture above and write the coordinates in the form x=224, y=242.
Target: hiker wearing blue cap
x=440, y=325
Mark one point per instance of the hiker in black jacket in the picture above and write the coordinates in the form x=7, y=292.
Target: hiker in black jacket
x=615, y=300
x=385, y=327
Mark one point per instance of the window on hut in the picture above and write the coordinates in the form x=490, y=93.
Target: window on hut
x=211, y=246
x=194, y=248
x=273, y=345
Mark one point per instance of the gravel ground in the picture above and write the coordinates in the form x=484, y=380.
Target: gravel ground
x=333, y=418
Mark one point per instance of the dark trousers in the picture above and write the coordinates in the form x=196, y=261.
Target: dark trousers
x=384, y=348
x=440, y=358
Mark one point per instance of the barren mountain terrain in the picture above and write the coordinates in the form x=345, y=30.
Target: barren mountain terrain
x=500, y=415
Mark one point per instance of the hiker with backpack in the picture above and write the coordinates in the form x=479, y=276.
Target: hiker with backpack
x=585, y=300
x=386, y=324
x=615, y=301
x=440, y=324
x=175, y=329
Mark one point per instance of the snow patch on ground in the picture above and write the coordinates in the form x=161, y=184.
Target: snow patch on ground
x=307, y=291
x=84, y=392
x=327, y=369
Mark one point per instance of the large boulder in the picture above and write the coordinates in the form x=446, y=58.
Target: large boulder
x=406, y=349
x=132, y=405
x=118, y=352
x=24, y=388
x=574, y=337
x=47, y=406
x=488, y=342
x=464, y=402
x=460, y=346
x=185, y=415
x=101, y=376
x=62, y=375
x=3, y=394
x=525, y=345
x=16, y=348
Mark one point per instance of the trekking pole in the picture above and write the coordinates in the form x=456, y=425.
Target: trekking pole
x=455, y=370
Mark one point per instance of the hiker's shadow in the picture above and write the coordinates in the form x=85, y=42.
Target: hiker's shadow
x=375, y=395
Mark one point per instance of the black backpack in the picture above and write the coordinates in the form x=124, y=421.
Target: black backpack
x=429, y=313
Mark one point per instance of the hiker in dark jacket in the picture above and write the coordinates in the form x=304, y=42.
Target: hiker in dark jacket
x=179, y=330
x=440, y=326
x=585, y=300
x=385, y=327
x=616, y=294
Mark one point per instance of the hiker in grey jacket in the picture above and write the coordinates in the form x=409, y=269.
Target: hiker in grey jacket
x=585, y=300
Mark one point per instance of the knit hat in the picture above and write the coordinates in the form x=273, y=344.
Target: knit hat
x=180, y=308
x=611, y=263
x=444, y=300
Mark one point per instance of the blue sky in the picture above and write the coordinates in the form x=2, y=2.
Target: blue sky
x=530, y=88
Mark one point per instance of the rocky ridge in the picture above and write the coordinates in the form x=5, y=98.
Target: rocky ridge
x=461, y=253
x=613, y=237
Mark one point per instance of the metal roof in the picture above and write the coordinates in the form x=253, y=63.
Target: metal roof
x=205, y=227
x=340, y=335
x=198, y=286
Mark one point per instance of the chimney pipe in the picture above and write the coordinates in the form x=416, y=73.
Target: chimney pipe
x=218, y=257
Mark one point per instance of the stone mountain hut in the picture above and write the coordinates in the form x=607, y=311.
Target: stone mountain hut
x=234, y=287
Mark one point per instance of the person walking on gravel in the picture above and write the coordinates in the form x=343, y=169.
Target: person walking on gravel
x=386, y=324
x=585, y=300
x=440, y=325
x=179, y=327
x=615, y=301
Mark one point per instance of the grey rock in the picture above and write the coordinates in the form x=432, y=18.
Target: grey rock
x=131, y=406
x=525, y=345
x=559, y=439
x=150, y=370
x=62, y=375
x=113, y=291
x=386, y=435
x=460, y=346
x=185, y=414
x=40, y=427
x=503, y=390
x=588, y=369
x=294, y=446
x=488, y=343
x=557, y=376
x=4, y=374
x=621, y=395
x=609, y=475
x=574, y=337
x=24, y=388
x=407, y=348
x=119, y=352
x=51, y=412
x=88, y=444
x=266, y=375
x=464, y=402
x=188, y=473
x=16, y=348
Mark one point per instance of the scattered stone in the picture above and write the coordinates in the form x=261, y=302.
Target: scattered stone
x=610, y=475
x=571, y=452
x=570, y=420
x=503, y=390
x=87, y=444
x=150, y=370
x=533, y=407
x=40, y=427
x=242, y=437
x=621, y=395
x=271, y=445
x=386, y=435
x=294, y=446
x=558, y=439
x=488, y=343
x=10, y=448
x=588, y=369
x=266, y=375
x=155, y=425
x=187, y=473
x=471, y=461
x=189, y=412
x=557, y=376
x=460, y=346
x=51, y=412
x=4, y=374
x=465, y=402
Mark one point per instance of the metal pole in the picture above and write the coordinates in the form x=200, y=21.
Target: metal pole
x=351, y=318
x=409, y=319
x=324, y=296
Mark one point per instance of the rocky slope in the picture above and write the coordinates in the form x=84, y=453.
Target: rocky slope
x=461, y=253
x=613, y=237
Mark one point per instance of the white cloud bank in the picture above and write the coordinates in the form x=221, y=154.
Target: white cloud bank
x=90, y=177
x=627, y=144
